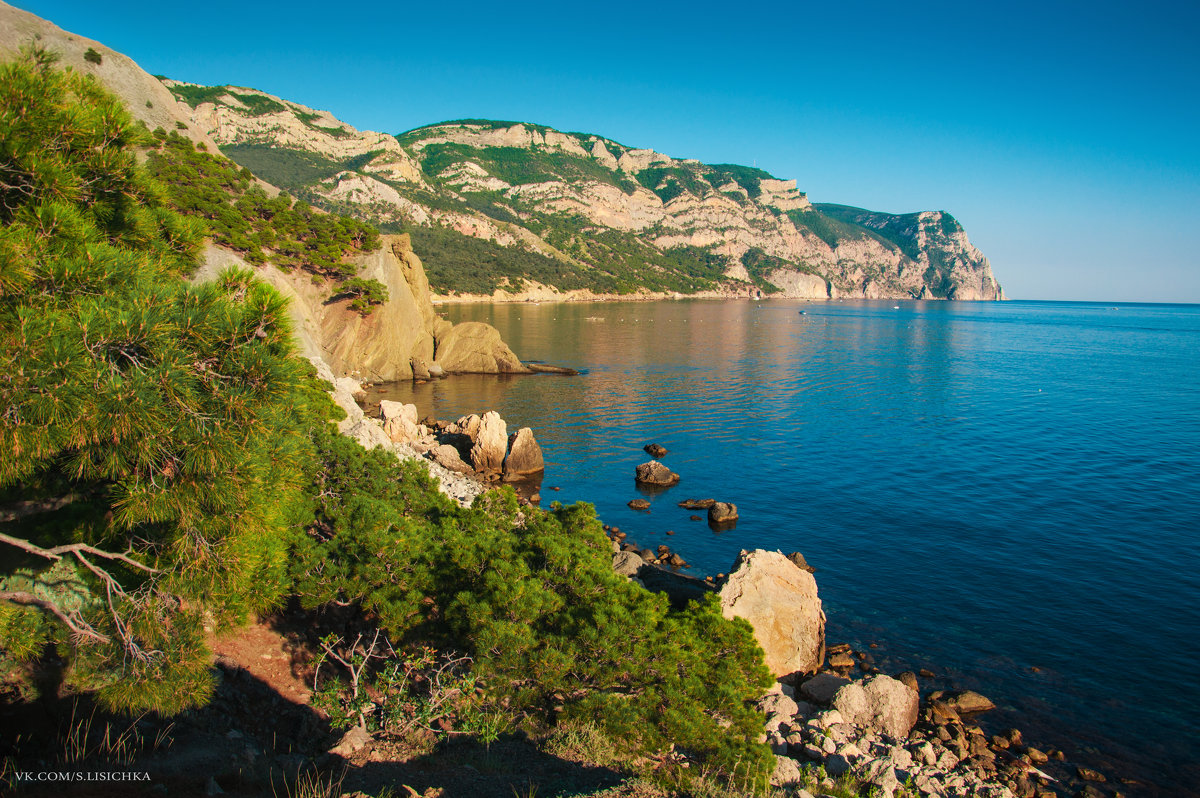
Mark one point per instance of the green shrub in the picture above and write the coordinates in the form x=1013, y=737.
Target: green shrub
x=91, y=56
x=530, y=596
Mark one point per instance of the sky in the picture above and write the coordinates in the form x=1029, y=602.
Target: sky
x=1063, y=135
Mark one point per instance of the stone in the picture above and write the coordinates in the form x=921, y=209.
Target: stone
x=491, y=445
x=627, y=563
x=878, y=702
x=697, y=504
x=1036, y=757
x=420, y=369
x=654, y=450
x=800, y=562
x=786, y=771
x=354, y=740
x=821, y=688
x=837, y=765
x=841, y=660
x=475, y=348
x=524, y=457
x=967, y=701
x=1087, y=774
x=694, y=518
x=909, y=680
x=436, y=371
x=722, y=513
x=780, y=603
x=777, y=707
x=448, y=457
x=399, y=421
x=655, y=473
x=639, y=504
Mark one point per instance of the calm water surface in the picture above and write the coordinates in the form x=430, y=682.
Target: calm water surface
x=1004, y=493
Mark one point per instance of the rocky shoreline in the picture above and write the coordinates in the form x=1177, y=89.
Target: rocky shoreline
x=834, y=719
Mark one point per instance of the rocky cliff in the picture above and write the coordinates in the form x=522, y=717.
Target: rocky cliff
x=548, y=212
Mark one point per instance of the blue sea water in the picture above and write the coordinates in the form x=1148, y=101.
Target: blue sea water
x=1005, y=493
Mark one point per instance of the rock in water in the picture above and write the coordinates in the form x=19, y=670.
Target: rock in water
x=780, y=602
x=491, y=445
x=878, y=702
x=655, y=473
x=475, y=347
x=654, y=450
x=639, y=504
x=968, y=701
x=524, y=456
x=722, y=513
x=798, y=558
x=697, y=504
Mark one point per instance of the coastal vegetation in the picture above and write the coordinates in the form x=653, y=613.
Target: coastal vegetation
x=171, y=468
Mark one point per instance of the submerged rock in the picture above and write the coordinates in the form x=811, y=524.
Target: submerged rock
x=697, y=504
x=639, y=504
x=654, y=450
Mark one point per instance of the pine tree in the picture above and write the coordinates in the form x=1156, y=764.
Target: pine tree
x=152, y=433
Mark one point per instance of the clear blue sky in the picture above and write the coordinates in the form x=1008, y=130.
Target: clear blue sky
x=1063, y=135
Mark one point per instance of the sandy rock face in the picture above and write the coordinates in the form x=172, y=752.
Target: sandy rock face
x=524, y=456
x=878, y=702
x=780, y=602
x=475, y=348
x=491, y=444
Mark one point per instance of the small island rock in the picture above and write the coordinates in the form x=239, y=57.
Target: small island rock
x=722, y=513
x=654, y=450
x=655, y=473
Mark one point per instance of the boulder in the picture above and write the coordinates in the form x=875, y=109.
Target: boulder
x=697, y=504
x=967, y=701
x=447, y=456
x=420, y=369
x=786, y=772
x=475, y=348
x=722, y=513
x=627, y=563
x=639, y=504
x=780, y=602
x=399, y=421
x=491, y=445
x=654, y=450
x=798, y=558
x=880, y=703
x=524, y=456
x=655, y=473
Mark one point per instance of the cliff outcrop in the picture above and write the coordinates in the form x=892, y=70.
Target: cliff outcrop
x=398, y=340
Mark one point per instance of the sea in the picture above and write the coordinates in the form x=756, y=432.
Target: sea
x=1006, y=494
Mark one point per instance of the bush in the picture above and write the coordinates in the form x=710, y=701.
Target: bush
x=530, y=596
x=91, y=56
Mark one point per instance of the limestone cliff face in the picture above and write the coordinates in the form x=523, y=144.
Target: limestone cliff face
x=396, y=336
x=534, y=189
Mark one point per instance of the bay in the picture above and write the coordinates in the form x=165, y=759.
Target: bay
x=1005, y=493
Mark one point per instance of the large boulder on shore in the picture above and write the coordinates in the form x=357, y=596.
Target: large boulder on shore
x=878, y=702
x=779, y=600
x=524, y=457
x=491, y=444
x=655, y=473
x=475, y=348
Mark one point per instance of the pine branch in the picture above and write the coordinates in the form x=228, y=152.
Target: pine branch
x=78, y=549
x=79, y=627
